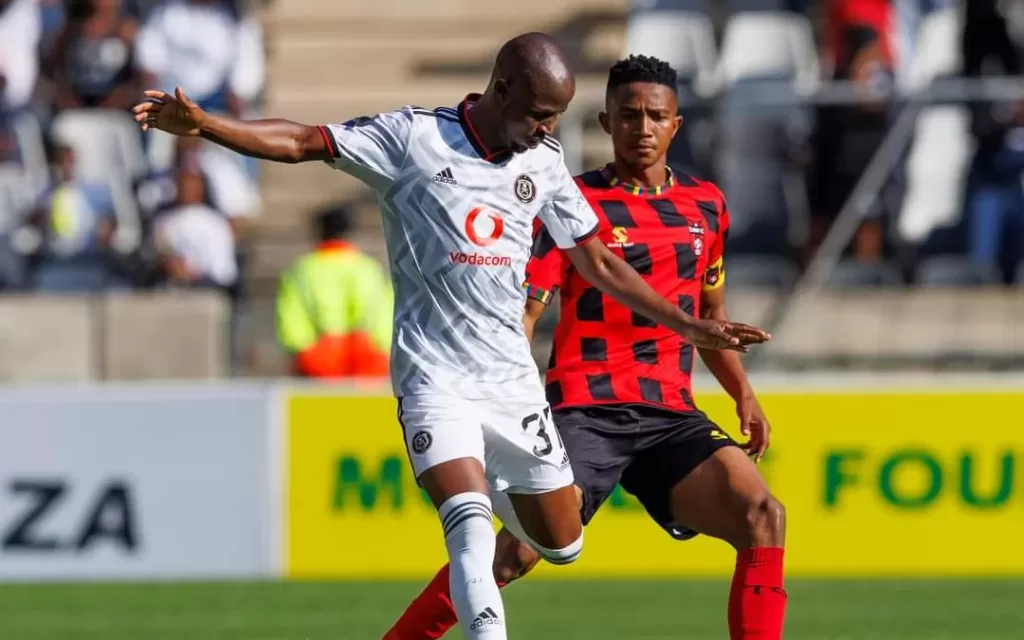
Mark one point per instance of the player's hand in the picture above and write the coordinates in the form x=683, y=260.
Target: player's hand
x=754, y=426
x=705, y=333
x=175, y=114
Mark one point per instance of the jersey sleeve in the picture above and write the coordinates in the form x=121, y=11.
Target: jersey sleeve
x=567, y=215
x=546, y=269
x=371, y=148
x=714, y=275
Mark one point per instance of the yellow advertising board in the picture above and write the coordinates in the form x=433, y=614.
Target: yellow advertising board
x=875, y=484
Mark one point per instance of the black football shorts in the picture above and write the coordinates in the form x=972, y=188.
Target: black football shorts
x=645, y=448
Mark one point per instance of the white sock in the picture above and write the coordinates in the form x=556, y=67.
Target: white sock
x=507, y=514
x=469, y=536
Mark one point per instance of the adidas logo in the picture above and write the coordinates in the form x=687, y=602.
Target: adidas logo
x=565, y=460
x=445, y=176
x=485, y=617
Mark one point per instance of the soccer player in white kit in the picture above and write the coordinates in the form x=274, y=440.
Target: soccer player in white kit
x=459, y=190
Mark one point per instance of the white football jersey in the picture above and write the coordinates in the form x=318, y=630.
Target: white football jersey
x=458, y=222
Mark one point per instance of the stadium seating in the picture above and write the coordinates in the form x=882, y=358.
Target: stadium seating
x=684, y=38
x=852, y=274
x=955, y=271
x=330, y=61
x=768, y=44
x=760, y=272
x=764, y=54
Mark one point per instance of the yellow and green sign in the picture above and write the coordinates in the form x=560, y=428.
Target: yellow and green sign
x=922, y=484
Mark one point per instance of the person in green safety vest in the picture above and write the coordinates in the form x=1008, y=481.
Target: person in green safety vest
x=334, y=307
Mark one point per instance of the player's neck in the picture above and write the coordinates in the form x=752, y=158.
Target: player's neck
x=479, y=116
x=648, y=178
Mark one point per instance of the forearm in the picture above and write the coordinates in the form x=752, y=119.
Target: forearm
x=532, y=313
x=616, y=278
x=275, y=140
x=726, y=366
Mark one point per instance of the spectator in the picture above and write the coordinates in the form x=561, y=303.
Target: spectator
x=91, y=61
x=20, y=31
x=194, y=44
x=229, y=188
x=996, y=196
x=75, y=219
x=194, y=241
x=858, y=49
x=201, y=46
x=334, y=308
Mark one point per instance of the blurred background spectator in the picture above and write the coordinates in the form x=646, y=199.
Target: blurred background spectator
x=194, y=242
x=871, y=151
x=76, y=223
x=334, y=307
x=90, y=63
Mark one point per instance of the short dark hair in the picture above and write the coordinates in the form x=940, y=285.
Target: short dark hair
x=640, y=68
x=333, y=223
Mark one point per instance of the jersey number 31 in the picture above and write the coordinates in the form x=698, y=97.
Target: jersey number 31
x=542, y=423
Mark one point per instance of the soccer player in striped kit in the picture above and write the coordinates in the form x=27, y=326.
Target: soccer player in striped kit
x=620, y=385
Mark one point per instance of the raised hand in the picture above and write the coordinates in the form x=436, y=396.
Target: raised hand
x=718, y=334
x=175, y=114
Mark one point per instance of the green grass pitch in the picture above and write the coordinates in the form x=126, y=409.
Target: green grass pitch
x=537, y=609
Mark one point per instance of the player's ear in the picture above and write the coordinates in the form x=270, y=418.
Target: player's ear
x=676, y=123
x=501, y=89
x=602, y=118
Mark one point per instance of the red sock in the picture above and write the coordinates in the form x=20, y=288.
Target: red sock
x=757, y=600
x=430, y=615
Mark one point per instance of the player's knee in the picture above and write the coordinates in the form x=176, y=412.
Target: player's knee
x=565, y=555
x=765, y=522
x=513, y=559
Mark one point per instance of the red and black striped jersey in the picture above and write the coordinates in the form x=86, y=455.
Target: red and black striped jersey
x=603, y=352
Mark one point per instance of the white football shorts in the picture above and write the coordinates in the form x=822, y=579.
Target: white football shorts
x=514, y=438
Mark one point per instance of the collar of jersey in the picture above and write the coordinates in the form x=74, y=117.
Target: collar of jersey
x=608, y=173
x=333, y=246
x=473, y=136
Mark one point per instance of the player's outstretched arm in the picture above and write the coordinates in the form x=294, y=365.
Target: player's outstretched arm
x=616, y=278
x=276, y=140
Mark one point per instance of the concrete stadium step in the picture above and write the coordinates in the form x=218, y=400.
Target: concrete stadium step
x=339, y=102
x=272, y=251
x=454, y=10
x=904, y=323
x=360, y=55
x=286, y=27
x=367, y=59
x=293, y=220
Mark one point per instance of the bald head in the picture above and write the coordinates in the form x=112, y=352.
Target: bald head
x=532, y=84
x=535, y=58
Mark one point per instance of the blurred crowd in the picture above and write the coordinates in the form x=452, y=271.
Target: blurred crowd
x=790, y=102
x=87, y=203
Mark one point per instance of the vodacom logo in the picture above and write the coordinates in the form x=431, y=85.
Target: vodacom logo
x=484, y=239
